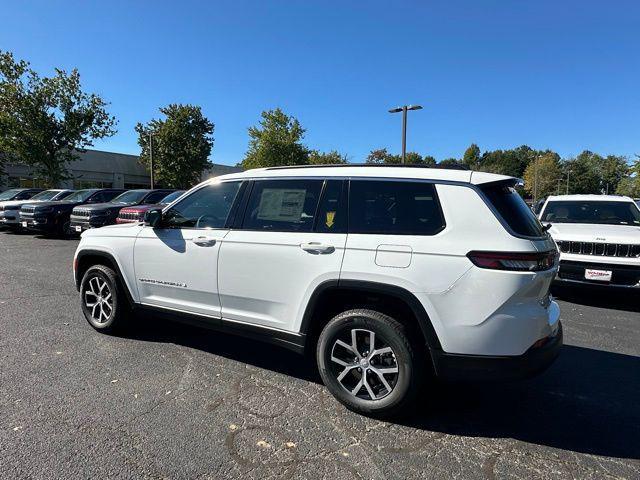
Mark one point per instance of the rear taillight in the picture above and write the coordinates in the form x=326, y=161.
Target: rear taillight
x=514, y=261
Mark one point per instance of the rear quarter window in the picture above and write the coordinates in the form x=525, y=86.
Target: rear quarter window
x=511, y=207
x=394, y=208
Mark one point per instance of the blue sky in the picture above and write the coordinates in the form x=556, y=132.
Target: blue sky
x=563, y=75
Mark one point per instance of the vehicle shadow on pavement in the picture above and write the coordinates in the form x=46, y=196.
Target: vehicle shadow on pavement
x=601, y=297
x=586, y=402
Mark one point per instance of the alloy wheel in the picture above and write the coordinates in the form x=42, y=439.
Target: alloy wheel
x=364, y=364
x=98, y=299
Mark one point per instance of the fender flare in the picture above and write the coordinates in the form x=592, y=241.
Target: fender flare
x=108, y=256
x=429, y=333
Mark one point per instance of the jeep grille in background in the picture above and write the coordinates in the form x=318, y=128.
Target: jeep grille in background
x=599, y=249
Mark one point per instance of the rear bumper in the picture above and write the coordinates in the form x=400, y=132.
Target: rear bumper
x=458, y=367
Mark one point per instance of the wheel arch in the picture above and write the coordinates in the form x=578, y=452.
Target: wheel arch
x=85, y=259
x=356, y=291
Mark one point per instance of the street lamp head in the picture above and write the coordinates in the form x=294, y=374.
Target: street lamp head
x=395, y=110
x=414, y=107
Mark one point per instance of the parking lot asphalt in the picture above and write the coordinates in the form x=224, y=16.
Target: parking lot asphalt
x=171, y=401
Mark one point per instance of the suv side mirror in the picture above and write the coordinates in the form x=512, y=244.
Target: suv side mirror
x=153, y=217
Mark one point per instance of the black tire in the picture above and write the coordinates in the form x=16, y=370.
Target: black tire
x=62, y=228
x=405, y=385
x=113, y=318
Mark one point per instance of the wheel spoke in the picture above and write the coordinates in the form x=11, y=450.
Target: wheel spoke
x=345, y=345
x=354, y=343
x=345, y=371
x=92, y=284
x=368, y=387
x=386, y=370
x=372, y=341
x=382, y=379
x=380, y=351
x=93, y=311
x=339, y=362
x=357, y=388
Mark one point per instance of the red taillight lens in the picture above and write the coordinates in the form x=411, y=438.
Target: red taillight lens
x=514, y=261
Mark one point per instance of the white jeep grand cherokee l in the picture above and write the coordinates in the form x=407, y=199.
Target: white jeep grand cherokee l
x=598, y=237
x=387, y=274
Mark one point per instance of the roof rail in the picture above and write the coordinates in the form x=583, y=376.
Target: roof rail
x=403, y=165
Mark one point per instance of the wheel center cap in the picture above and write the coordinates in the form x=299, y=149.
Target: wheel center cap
x=364, y=363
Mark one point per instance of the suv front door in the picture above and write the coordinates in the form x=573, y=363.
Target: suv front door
x=176, y=265
x=290, y=240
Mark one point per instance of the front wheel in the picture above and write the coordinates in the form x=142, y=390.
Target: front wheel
x=102, y=300
x=368, y=363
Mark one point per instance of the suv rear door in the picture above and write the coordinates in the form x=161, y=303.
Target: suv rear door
x=290, y=239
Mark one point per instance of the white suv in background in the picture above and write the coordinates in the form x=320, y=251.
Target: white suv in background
x=386, y=274
x=598, y=237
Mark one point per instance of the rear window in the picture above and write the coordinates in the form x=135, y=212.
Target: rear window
x=394, y=208
x=513, y=210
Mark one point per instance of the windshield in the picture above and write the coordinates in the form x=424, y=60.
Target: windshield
x=9, y=194
x=609, y=213
x=132, y=196
x=79, y=196
x=171, y=197
x=46, y=195
x=63, y=195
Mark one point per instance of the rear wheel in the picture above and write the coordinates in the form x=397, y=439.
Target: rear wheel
x=368, y=363
x=102, y=299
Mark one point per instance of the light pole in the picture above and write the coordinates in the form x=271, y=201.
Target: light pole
x=151, y=157
x=404, y=109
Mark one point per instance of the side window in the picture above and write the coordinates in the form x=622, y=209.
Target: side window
x=155, y=197
x=394, y=208
x=282, y=205
x=332, y=213
x=207, y=207
x=98, y=197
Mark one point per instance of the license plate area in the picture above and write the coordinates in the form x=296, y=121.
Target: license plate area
x=78, y=228
x=598, y=275
x=24, y=224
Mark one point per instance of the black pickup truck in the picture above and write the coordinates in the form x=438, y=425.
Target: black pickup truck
x=98, y=215
x=54, y=217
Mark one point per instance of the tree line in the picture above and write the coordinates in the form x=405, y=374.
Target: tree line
x=46, y=121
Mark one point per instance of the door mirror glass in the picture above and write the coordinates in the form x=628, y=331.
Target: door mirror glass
x=153, y=218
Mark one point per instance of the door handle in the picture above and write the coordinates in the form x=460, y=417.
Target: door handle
x=317, y=248
x=204, y=241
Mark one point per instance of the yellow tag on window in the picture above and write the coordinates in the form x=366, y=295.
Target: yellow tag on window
x=331, y=216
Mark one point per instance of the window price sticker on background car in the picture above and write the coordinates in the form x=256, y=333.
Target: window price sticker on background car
x=601, y=275
x=281, y=205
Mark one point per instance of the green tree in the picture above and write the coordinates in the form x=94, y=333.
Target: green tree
x=429, y=161
x=327, y=158
x=583, y=173
x=613, y=169
x=46, y=121
x=382, y=156
x=472, y=157
x=452, y=163
x=543, y=176
x=630, y=185
x=182, y=143
x=277, y=141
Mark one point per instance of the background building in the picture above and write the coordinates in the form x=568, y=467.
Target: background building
x=97, y=169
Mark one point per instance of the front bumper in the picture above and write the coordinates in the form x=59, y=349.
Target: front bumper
x=38, y=223
x=10, y=217
x=573, y=272
x=459, y=367
x=80, y=225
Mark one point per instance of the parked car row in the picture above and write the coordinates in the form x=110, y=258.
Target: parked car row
x=66, y=212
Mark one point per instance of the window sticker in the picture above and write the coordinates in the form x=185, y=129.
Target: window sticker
x=281, y=205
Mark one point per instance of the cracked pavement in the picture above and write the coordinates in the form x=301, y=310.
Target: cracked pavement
x=172, y=401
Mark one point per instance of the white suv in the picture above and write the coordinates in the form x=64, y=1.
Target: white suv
x=598, y=237
x=388, y=274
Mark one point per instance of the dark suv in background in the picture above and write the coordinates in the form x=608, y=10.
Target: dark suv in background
x=54, y=217
x=19, y=194
x=135, y=213
x=98, y=215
